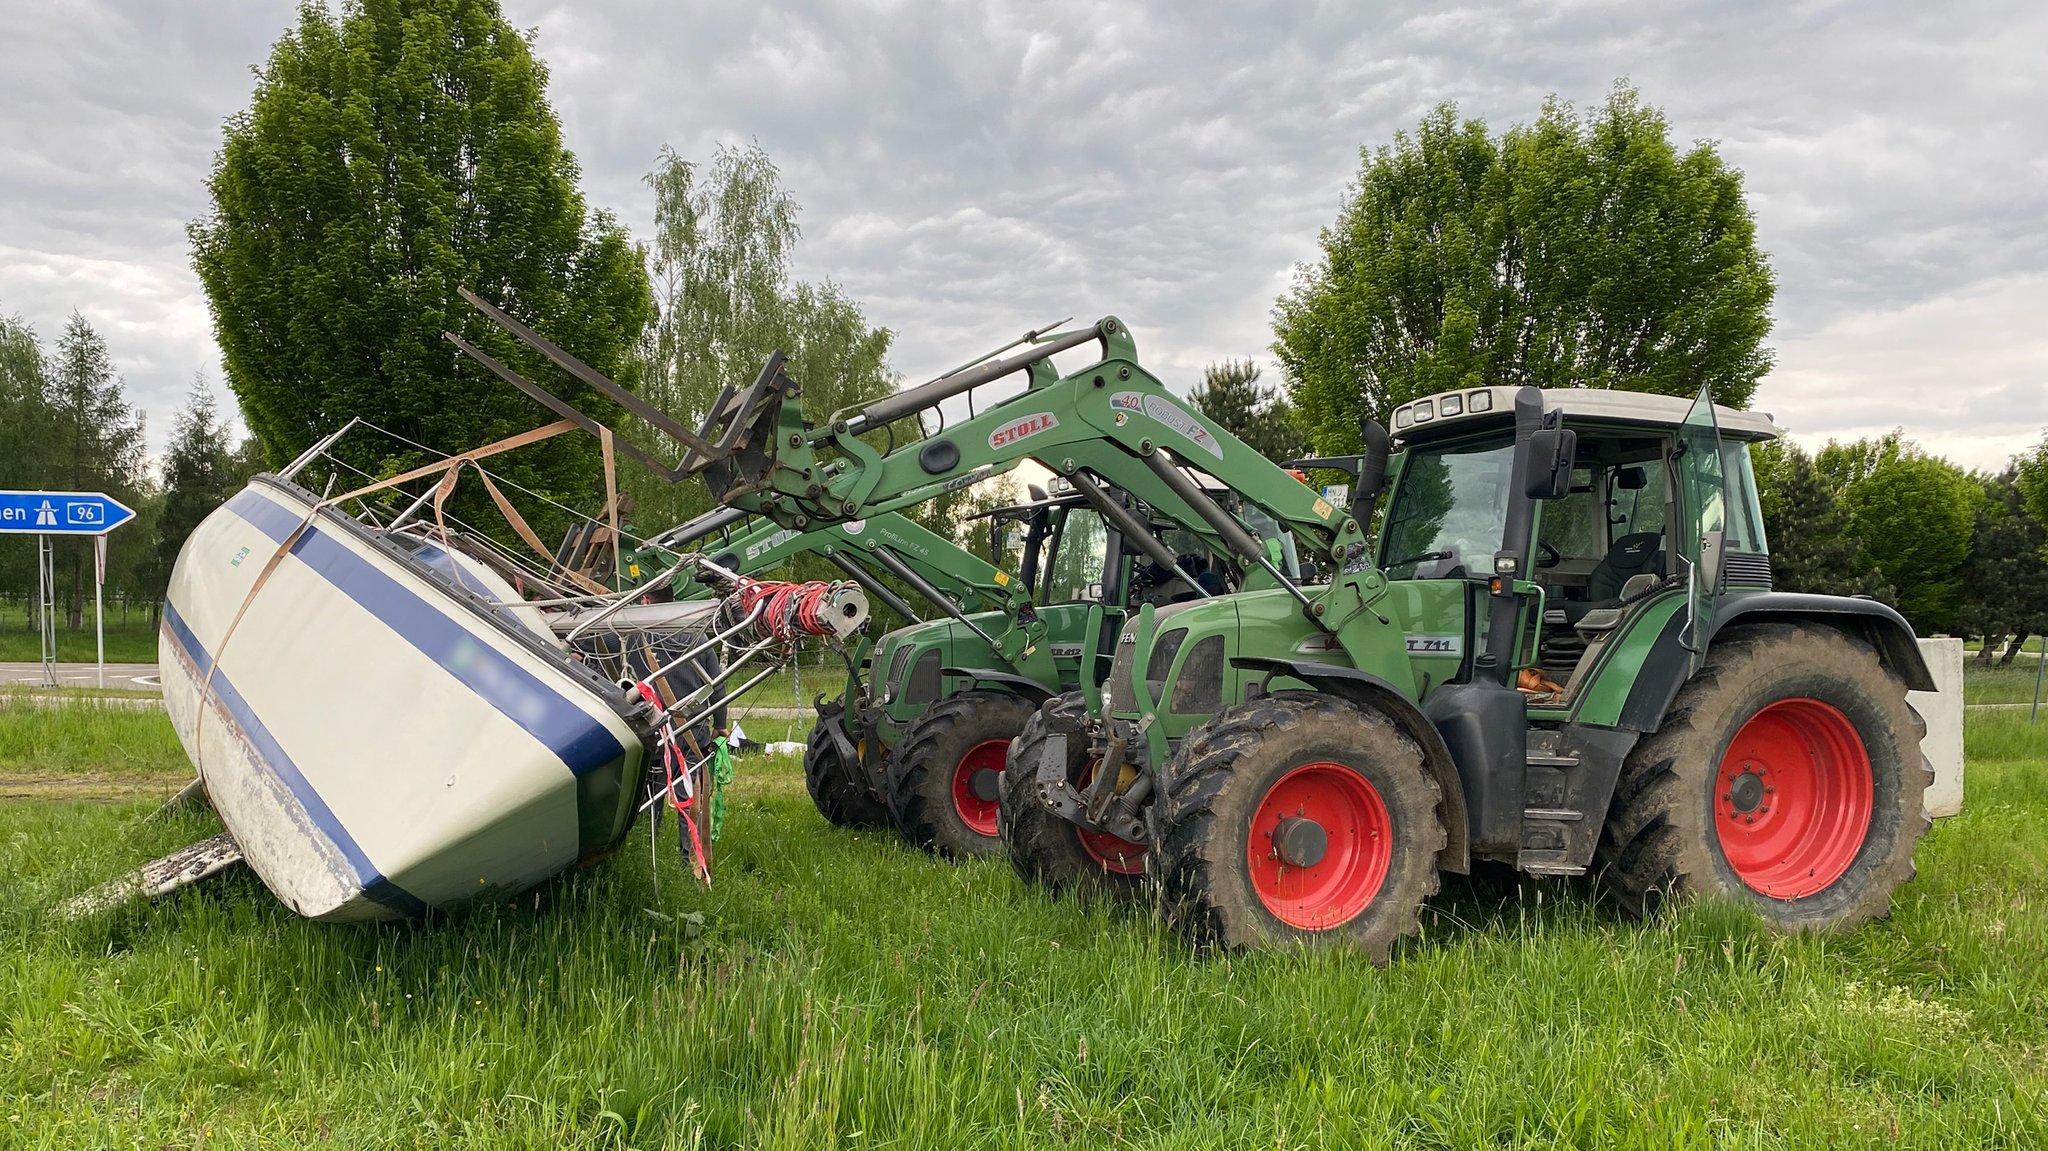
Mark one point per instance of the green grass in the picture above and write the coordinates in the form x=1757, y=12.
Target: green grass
x=135, y=643
x=1994, y=684
x=835, y=989
x=88, y=739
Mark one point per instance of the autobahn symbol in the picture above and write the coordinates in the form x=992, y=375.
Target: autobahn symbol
x=61, y=513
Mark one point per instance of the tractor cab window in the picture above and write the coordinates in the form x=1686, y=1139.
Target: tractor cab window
x=1159, y=586
x=1572, y=526
x=1278, y=541
x=1745, y=513
x=1611, y=526
x=1074, y=571
x=1449, y=511
x=1604, y=547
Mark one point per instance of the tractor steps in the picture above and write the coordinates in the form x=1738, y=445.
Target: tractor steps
x=1551, y=820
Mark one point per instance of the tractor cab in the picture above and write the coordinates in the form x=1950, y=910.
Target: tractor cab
x=1654, y=515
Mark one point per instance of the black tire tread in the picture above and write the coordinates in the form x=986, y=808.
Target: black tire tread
x=836, y=789
x=920, y=785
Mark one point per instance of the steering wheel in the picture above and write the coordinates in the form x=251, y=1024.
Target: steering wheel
x=1547, y=556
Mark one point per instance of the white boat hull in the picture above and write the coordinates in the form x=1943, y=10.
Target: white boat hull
x=378, y=742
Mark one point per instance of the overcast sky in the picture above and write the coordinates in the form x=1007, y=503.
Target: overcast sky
x=970, y=170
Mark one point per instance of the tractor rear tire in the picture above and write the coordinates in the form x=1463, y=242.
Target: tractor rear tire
x=838, y=787
x=1787, y=776
x=941, y=798
x=1046, y=848
x=1299, y=818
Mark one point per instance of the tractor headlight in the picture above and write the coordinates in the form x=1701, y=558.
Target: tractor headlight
x=1480, y=402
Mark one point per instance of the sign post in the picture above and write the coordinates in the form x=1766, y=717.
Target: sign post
x=99, y=617
x=46, y=514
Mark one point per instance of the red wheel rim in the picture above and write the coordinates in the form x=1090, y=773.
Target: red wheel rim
x=1793, y=798
x=1335, y=888
x=1113, y=852
x=977, y=813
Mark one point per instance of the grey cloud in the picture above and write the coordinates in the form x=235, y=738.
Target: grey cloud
x=970, y=169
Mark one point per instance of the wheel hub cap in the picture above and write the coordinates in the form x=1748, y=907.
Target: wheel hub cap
x=1746, y=792
x=983, y=784
x=1300, y=841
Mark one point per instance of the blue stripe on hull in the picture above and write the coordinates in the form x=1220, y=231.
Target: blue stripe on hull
x=375, y=886
x=584, y=745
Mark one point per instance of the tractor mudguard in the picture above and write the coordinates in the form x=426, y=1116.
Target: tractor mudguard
x=1368, y=690
x=1023, y=685
x=1876, y=624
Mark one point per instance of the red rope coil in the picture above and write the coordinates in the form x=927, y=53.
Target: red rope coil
x=788, y=611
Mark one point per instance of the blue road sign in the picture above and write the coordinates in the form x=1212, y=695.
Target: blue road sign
x=61, y=513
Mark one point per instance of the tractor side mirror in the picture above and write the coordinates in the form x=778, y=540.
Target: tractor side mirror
x=1633, y=479
x=1372, y=471
x=1549, y=463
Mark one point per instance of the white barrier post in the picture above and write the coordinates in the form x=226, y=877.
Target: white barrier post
x=1942, y=708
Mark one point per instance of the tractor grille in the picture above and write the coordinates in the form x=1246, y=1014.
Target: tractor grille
x=922, y=685
x=1745, y=569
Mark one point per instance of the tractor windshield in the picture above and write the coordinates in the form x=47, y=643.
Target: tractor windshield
x=1449, y=510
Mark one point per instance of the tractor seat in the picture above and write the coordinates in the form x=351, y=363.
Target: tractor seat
x=1606, y=618
x=1632, y=555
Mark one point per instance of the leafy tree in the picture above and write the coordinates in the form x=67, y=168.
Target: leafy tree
x=392, y=153
x=1574, y=252
x=1812, y=547
x=1914, y=514
x=95, y=443
x=1230, y=394
x=725, y=234
x=2032, y=481
x=2005, y=580
x=200, y=472
x=1843, y=466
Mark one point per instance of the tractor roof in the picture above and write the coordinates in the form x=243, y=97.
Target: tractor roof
x=1470, y=408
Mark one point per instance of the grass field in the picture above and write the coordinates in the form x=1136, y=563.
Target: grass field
x=838, y=990
x=135, y=643
x=2002, y=684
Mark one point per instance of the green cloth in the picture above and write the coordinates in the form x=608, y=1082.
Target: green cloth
x=721, y=774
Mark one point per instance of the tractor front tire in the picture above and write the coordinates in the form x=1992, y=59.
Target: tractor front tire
x=1787, y=776
x=1044, y=847
x=1299, y=818
x=945, y=775
x=838, y=787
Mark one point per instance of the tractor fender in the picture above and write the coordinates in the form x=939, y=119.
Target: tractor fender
x=1368, y=690
x=1876, y=624
x=1023, y=685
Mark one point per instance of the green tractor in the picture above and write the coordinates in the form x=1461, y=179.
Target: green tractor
x=1568, y=659
x=1559, y=651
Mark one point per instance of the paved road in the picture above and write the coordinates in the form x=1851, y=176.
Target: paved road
x=132, y=676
